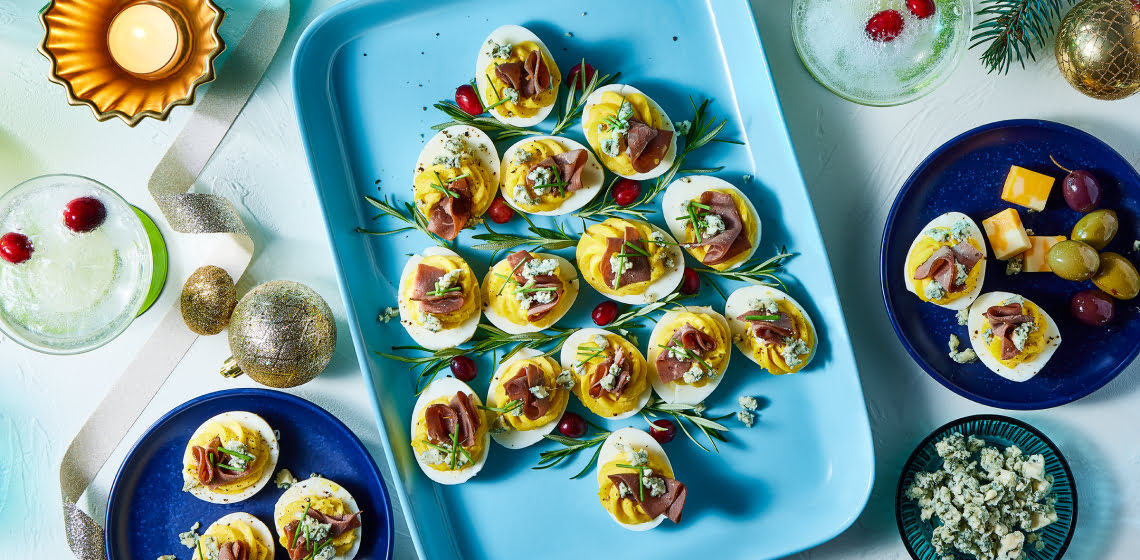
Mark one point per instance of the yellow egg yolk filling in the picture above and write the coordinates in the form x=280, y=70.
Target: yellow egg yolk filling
x=421, y=442
x=606, y=405
x=431, y=183
x=447, y=263
x=327, y=505
x=922, y=251
x=558, y=396
x=591, y=253
x=717, y=358
x=233, y=431
x=518, y=168
x=746, y=217
x=525, y=107
x=597, y=128
x=1034, y=342
x=769, y=356
x=626, y=510
x=499, y=294
x=239, y=531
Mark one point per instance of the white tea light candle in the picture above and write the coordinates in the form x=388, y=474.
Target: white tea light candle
x=143, y=38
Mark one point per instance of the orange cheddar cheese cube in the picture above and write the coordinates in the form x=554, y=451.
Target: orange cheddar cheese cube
x=1034, y=258
x=1006, y=234
x=1027, y=188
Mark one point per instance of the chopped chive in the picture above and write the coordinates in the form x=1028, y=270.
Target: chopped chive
x=236, y=454
x=690, y=354
x=510, y=278
x=454, y=179
x=636, y=248
x=439, y=186
x=511, y=405
x=699, y=205
x=762, y=317
x=446, y=291
x=227, y=467
x=293, y=540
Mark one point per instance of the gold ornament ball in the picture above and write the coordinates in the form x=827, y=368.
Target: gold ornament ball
x=207, y=301
x=1098, y=48
x=282, y=335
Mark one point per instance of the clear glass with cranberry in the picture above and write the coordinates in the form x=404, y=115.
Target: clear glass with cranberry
x=881, y=52
x=75, y=264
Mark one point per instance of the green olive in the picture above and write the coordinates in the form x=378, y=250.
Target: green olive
x=1073, y=260
x=1097, y=228
x=1117, y=276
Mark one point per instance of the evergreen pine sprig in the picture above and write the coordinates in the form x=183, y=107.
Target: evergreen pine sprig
x=1011, y=29
x=702, y=130
x=570, y=449
x=694, y=415
x=412, y=217
x=539, y=238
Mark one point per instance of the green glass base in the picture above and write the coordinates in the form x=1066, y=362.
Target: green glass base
x=161, y=260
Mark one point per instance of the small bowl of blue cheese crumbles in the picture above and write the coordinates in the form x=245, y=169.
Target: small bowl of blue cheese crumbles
x=988, y=488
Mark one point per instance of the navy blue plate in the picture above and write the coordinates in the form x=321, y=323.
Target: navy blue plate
x=966, y=175
x=147, y=507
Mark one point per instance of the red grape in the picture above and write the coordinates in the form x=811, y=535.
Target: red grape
x=573, y=78
x=921, y=9
x=84, y=214
x=463, y=368
x=1081, y=190
x=500, y=212
x=604, y=313
x=467, y=100
x=15, y=247
x=1093, y=307
x=885, y=26
x=664, y=432
x=572, y=425
x=626, y=191
x=691, y=283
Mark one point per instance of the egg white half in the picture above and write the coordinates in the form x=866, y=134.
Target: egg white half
x=260, y=530
x=638, y=439
x=249, y=421
x=516, y=439
x=448, y=386
x=318, y=487
x=513, y=34
x=661, y=287
x=592, y=177
x=680, y=192
x=446, y=338
x=674, y=392
x=737, y=305
x=478, y=143
x=1025, y=370
x=569, y=357
x=622, y=89
x=947, y=220
x=570, y=291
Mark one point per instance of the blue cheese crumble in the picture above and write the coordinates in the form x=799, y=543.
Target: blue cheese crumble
x=540, y=392
x=565, y=379
x=511, y=94
x=522, y=195
x=1021, y=335
x=448, y=280
x=315, y=530
x=765, y=305
x=538, y=267
x=236, y=461
x=499, y=50
x=934, y=290
x=619, y=265
x=748, y=403
x=695, y=374
x=714, y=224
x=1015, y=265
x=988, y=503
x=792, y=350
x=190, y=538
x=746, y=417
x=284, y=479
x=636, y=457
x=454, y=150
x=963, y=316
x=432, y=323
x=610, y=147
x=966, y=356
x=388, y=314
x=939, y=234
x=961, y=230
x=683, y=127
x=961, y=274
x=653, y=484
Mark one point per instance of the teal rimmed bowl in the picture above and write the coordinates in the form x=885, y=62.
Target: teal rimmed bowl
x=1001, y=432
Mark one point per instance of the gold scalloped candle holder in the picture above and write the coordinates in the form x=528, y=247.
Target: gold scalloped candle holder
x=76, y=43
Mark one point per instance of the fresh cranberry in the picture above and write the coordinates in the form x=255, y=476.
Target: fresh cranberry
x=663, y=431
x=626, y=191
x=885, y=26
x=500, y=212
x=572, y=425
x=921, y=9
x=84, y=214
x=463, y=368
x=604, y=313
x=573, y=78
x=15, y=247
x=467, y=100
x=691, y=283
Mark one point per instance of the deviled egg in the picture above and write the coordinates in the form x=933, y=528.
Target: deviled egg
x=456, y=179
x=516, y=76
x=450, y=437
x=630, y=132
x=229, y=458
x=439, y=299
x=630, y=261
x=608, y=373
x=1011, y=335
x=946, y=263
x=549, y=175
x=318, y=518
x=526, y=292
x=771, y=328
x=240, y=533
x=715, y=221
x=635, y=481
x=689, y=351
x=527, y=397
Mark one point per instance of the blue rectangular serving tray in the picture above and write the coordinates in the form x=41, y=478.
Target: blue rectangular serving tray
x=366, y=74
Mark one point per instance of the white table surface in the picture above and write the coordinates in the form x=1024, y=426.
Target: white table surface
x=854, y=160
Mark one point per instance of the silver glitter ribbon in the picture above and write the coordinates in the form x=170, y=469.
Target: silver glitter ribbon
x=230, y=247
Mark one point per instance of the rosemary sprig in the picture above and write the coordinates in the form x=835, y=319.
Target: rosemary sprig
x=540, y=238
x=412, y=217
x=694, y=415
x=501, y=130
x=704, y=129
x=571, y=448
x=755, y=271
x=576, y=97
x=1011, y=29
x=631, y=319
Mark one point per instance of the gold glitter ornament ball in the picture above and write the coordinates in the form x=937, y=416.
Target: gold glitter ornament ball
x=207, y=301
x=1098, y=48
x=282, y=335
